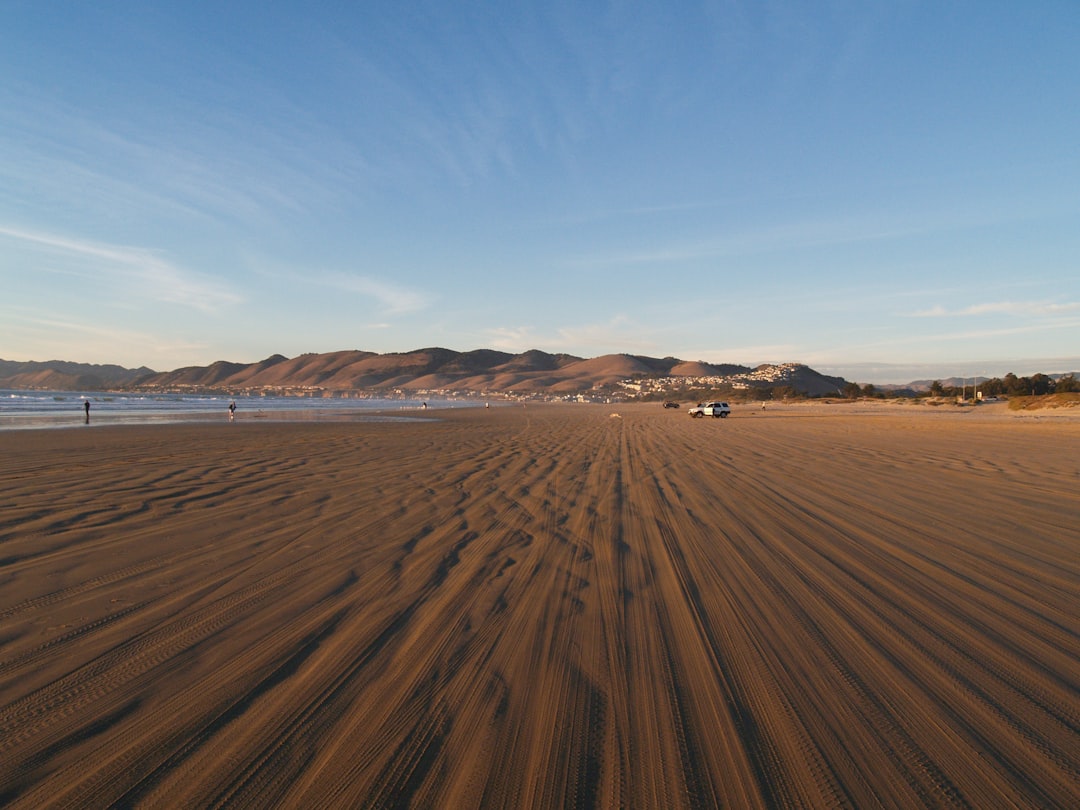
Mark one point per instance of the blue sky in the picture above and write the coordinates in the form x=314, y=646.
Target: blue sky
x=887, y=191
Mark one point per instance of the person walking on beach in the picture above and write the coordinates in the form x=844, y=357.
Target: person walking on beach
x=232, y=410
x=86, y=405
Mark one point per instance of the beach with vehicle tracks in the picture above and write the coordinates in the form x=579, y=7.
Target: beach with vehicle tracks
x=544, y=606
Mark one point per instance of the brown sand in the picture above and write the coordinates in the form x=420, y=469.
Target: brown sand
x=543, y=607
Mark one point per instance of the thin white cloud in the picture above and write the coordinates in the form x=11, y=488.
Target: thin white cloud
x=392, y=298
x=799, y=233
x=610, y=342
x=747, y=355
x=137, y=269
x=967, y=335
x=53, y=324
x=1023, y=308
x=211, y=164
x=511, y=338
x=617, y=335
x=37, y=336
x=777, y=239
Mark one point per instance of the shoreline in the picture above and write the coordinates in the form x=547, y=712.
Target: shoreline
x=102, y=416
x=64, y=422
x=323, y=413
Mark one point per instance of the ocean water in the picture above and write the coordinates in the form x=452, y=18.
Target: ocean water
x=50, y=409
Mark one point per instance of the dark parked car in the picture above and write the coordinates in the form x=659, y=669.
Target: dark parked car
x=672, y=405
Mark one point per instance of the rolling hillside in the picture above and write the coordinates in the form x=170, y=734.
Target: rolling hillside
x=482, y=370
x=60, y=375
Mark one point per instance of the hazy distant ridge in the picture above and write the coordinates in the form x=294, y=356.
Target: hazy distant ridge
x=428, y=369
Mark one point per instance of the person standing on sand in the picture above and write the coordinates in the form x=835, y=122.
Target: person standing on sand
x=232, y=410
x=86, y=405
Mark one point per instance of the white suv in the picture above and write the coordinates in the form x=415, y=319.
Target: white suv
x=713, y=409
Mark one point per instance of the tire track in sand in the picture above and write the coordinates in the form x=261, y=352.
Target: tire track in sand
x=541, y=607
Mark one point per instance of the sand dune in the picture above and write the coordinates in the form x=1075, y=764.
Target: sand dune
x=543, y=607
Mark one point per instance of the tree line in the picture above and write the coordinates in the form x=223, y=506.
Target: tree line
x=1008, y=386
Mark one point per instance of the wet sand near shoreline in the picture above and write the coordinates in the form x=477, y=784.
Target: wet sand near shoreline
x=549, y=606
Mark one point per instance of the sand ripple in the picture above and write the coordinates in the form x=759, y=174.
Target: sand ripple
x=543, y=607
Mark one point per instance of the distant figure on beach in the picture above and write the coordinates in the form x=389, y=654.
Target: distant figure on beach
x=86, y=405
x=423, y=405
x=232, y=410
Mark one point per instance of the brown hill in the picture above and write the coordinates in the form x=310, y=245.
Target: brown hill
x=683, y=368
x=313, y=369
x=62, y=375
x=536, y=360
x=619, y=366
x=481, y=370
x=477, y=371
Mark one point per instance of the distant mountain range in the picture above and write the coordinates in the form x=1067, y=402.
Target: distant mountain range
x=432, y=369
x=60, y=375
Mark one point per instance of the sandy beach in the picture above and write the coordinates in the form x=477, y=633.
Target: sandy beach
x=551, y=606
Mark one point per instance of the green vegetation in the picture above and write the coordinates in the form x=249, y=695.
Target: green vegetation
x=1010, y=386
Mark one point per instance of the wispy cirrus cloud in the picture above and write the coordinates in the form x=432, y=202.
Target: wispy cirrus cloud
x=1021, y=308
x=393, y=299
x=511, y=338
x=36, y=334
x=618, y=334
x=140, y=270
x=390, y=298
x=794, y=235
